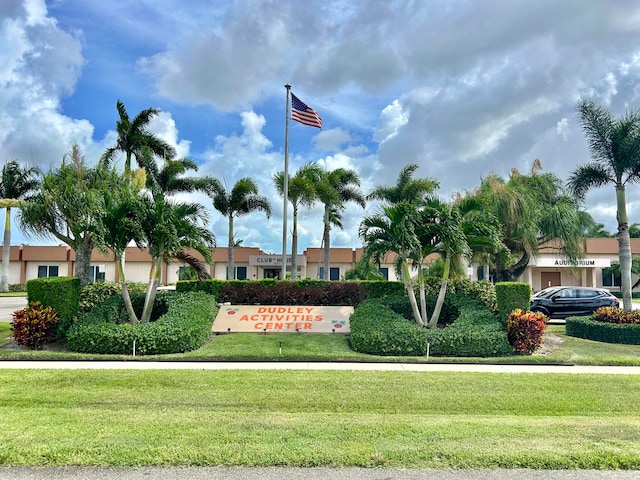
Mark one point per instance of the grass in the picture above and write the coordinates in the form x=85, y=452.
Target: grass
x=321, y=347
x=294, y=418
x=13, y=294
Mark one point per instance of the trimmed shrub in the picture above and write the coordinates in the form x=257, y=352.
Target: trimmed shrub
x=18, y=287
x=400, y=304
x=525, y=330
x=184, y=325
x=34, y=325
x=97, y=292
x=60, y=293
x=381, y=288
x=586, y=327
x=378, y=330
x=275, y=292
x=512, y=295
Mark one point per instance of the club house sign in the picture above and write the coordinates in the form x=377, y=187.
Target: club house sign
x=282, y=318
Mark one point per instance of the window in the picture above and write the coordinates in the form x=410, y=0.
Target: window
x=385, y=272
x=45, y=271
x=480, y=273
x=241, y=273
x=611, y=278
x=97, y=272
x=334, y=273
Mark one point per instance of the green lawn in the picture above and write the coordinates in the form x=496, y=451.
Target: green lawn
x=302, y=418
x=319, y=347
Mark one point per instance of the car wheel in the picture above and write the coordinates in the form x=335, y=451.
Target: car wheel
x=541, y=310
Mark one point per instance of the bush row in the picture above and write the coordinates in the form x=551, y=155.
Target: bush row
x=379, y=330
x=185, y=324
x=585, y=327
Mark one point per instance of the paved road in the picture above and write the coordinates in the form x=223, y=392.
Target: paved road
x=8, y=305
x=172, y=473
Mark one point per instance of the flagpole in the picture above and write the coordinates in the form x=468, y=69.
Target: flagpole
x=283, y=275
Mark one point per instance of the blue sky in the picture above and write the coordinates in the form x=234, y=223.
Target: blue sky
x=462, y=88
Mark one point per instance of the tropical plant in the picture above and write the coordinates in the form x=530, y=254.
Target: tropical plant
x=406, y=189
x=170, y=226
x=364, y=270
x=614, y=145
x=241, y=200
x=337, y=187
x=133, y=136
x=16, y=185
x=69, y=206
x=534, y=210
x=301, y=191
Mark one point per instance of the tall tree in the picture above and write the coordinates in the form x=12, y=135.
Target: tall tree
x=534, y=210
x=337, y=187
x=241, y=200
x=69, y=206
x=392, y=229
x=406, y=189
x=16, y=184
x=133, y=136
x=301, y=192
x=614, y=146
x=170, y=226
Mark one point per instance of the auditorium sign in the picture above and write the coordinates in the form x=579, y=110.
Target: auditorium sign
x=564, y=262
x=281, y=318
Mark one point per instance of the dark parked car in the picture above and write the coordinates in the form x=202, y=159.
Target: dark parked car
x=561, y=302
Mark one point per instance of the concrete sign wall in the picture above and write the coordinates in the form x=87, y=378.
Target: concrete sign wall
x=282, y=318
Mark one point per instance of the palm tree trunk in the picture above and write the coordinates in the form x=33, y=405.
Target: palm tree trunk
x=443, y=290
x=230, y=245
x=423, y=299
x=406, y=279
x=624, y=248
x=152, y=288
x=6, y=249
x=294, y=246
x=133, y=319
x=326, y=236
x=83, y=260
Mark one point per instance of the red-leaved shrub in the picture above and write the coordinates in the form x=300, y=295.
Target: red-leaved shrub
x=616, y=315
x=34, y=325
x=525, y=330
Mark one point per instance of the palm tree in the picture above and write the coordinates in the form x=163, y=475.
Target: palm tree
x=169, y=226
x=533, y=210
x=301, y=192
x=406, y=189
x=338, y=187
x=614, y=145
x=16, y=184
x=69, y=206
x=133, y=135
x=241, y=200
x=393, y=229
x=122, y=222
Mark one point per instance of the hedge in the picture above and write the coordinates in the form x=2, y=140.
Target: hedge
x=512, y=295
x=60, y=293
x=378, y=330
x=184, y=325
x=585, y=327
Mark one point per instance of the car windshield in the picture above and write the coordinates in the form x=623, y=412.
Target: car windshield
x=546, y=292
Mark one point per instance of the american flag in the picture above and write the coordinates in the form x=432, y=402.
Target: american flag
x=301, y=112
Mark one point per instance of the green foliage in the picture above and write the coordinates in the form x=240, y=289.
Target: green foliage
x=382, y=288
x=60, y=293
x=512, y=295
x=378, y=330
x=34, y=325
x=525, y=330
x=97, y=292
x=18, y=287
x=400, y=304
x=185, y=324
x=585, y=327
